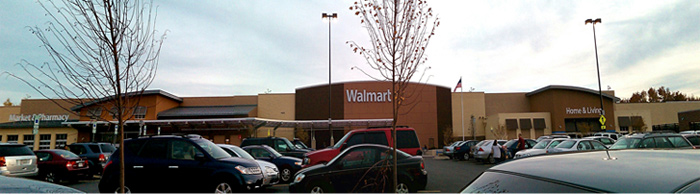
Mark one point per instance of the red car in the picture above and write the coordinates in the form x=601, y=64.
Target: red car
x=56, y=165
x=382, y=135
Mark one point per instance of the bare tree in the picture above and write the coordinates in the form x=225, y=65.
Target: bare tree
x=399, y=32
x=7, y=102
x=104, y=53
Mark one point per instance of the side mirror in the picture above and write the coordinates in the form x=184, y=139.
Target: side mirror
x=199, y=157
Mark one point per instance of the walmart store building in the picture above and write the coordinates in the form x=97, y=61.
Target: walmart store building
x=434, y=111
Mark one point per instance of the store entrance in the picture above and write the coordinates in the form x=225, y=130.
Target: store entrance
x=582, y=125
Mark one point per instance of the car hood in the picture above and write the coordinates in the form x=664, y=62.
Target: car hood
x=264, y=163
x=240, y=161
x=311, y=169
x=319, y=151
x=20, y=185
x=289, y=158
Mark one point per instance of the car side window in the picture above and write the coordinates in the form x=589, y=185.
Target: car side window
x=94, y=148
x=355, y=139
x=606, y=141
x=156, y=148
x=662, y=142
x=695, y=140
x=378, y=137
x=281, y=146
x=678, y=142
x=359, y=158
x=77, y=149
x=647, y=143
x=598, y=145
x=43, y=156
x=257, y=153
x=182, y=150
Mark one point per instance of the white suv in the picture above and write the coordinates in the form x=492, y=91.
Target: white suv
x=17, y=160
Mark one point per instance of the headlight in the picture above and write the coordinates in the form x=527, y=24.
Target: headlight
x=250, y=170
x=307, y=161
x=270, y=170
x=299, y=177
x=297, y=163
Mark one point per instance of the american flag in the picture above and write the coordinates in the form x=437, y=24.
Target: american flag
x=459, y=84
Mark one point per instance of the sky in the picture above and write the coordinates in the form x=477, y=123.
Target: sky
x=235, y=47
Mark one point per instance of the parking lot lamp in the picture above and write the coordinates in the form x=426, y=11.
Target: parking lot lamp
x=329, y=18
x=595, y=44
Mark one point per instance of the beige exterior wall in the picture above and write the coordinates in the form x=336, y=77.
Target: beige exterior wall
x=654, y=113
x=6, y=111
x=278, y=107
x=72, y=135
x=473, y=104
x=496, y=121
x=506, y=103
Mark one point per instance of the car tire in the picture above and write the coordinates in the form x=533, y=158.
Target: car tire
x=126, y=189
x=449, y=157
x=318, y=187
x=490, y=159
x=224, y=186
x=404, y=187
x=286, y=175
x=465, y=156
x=51, y=177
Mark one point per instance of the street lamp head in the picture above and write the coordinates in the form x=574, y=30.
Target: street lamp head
x=329, y=17
x=593, y=21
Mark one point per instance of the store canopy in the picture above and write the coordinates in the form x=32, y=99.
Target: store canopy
x=256, y=122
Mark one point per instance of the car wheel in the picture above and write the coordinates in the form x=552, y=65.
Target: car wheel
x=286, y=174
x=126, y=190
x=402, y=187
x=223, y=187
x=51, y=177
x=450, y=157
x=490, y=159
x=466, y=156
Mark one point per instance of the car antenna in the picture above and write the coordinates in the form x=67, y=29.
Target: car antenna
x=609, y=158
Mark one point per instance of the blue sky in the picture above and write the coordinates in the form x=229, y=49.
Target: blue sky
x=225, y=48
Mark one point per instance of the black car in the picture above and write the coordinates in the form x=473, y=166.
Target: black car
x=23, y=185
x=512, y=146
x=186, y=163
x=287, y=165
x=362, y=168
x=300, y=144
x=614, y=171
x=461, y=152
x=281, y=144
x=652, y=140
x=96, y=153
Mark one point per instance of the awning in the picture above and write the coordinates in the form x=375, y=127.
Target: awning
x=257, y=122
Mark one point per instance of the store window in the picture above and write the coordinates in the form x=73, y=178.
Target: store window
x=29, y=140
x=140, y=112
x=61, y=140
x=94, y=113
x=44, y=141
x=12, y=138
x=539, y=123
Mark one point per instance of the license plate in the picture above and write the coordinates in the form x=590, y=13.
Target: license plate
x=80, y=165
x=25, y=162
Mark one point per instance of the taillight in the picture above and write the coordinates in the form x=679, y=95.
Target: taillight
x=422, y=165
x=102, y=158
x=2, y=161
x=457, y=148
x=481, y=150
x=70, y=164
x=447, y=149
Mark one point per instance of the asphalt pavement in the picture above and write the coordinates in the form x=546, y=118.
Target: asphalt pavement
x=444, y=176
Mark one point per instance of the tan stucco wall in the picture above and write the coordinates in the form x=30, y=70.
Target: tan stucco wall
x=473, y=104
x=276, y=106
x=654, y=113
x=72, y=135
x=506, y=103
x=6, y=111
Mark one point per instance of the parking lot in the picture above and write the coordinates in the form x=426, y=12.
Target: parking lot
x=444, y=176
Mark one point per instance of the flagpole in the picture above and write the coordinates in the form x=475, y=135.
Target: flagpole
x=461, y=99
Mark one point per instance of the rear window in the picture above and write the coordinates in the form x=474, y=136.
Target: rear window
x=626, y=143
x=694, y=139
x=493, y=182
x=678, y=142
x=15, y=150
x=407, y=139
x=66, y=154
x=107, y=148
x=94, y=148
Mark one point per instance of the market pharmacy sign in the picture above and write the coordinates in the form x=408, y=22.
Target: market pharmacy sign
x=364, y=96
x=43, y=117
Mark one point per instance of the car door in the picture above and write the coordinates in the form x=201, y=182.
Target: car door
x=353, y=172
x=149, y=169
x=183, y=169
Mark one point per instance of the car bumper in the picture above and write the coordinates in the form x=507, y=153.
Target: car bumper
x=481, y=155
x=20, y=174
x=421, y=180
x=251, y=182
x=271, y=179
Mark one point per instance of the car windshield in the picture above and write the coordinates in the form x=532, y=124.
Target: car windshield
x=242, y=153
x=541, y=144
x=275, y=153
x=215, y=151
x=626, y=143
x=300, y=145
x=566, y=144
x=341, y=141
x=66, y=154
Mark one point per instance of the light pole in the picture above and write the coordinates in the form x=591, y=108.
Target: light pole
x=329, y=18
x=595, y=44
